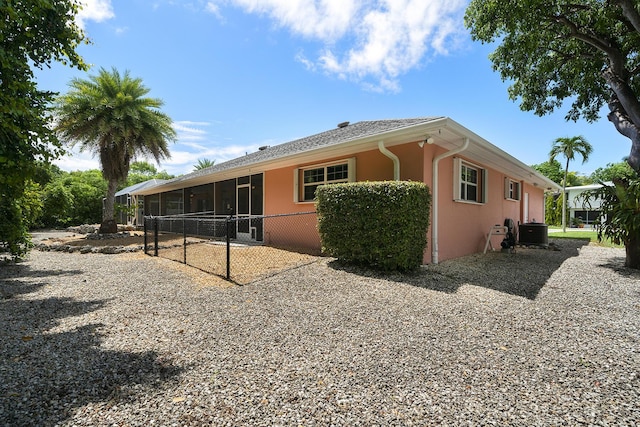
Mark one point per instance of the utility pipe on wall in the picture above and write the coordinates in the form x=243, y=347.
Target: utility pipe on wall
x=434, y=183
x=393, y=157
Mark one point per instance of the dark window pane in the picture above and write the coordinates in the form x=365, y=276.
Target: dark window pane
x=243, y=201
x=314, y=175
x=472, y=193
x=243, y=225
x=472, y=176
x=337, y=172
x=172, y=202
x=225, y=197
x=256, y=194
x=310, y=192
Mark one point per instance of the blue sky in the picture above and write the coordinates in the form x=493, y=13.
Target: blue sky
x=238, y=74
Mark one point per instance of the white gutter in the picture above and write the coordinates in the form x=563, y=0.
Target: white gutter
x=434, y=185
x=396, y=160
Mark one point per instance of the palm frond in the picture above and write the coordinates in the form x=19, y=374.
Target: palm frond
x=110, y=115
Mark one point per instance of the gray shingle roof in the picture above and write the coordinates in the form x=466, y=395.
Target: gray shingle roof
x=140, y=186
x=328, y=138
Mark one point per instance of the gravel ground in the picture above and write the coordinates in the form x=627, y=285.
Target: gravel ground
x=535, y=338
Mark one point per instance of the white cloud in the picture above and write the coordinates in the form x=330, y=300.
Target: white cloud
x=94, y=10
x=213, y=8
x=182, y=161
x=372, y=42
x=194, y=142
x=77, y=161
x=189, y=131
x=321, y=19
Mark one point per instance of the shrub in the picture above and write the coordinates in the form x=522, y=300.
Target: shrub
x=619, y=218
x=378, y=224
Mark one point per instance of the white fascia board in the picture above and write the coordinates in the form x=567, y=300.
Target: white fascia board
x=501, y=159
x=588, y=187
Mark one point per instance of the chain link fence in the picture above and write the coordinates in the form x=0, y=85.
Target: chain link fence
x=239, y=249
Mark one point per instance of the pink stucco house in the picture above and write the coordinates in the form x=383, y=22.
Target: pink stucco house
x=475, y=185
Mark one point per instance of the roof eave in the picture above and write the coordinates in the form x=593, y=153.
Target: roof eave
x=502, y=158
x=497, y=157
x=392, y=137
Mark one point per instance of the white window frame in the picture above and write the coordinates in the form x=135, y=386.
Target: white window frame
x=298, y=174
x=509, y=185
x=481, y=192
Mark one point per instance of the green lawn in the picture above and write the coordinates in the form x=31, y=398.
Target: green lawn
x=578, y=233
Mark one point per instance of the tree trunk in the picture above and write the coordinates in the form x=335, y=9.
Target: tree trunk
x=634, y=155
x=632, y=248
x=109, y=224
x=626, y=127
x=564, y=198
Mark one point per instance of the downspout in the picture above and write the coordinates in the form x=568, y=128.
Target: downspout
x=393, y=157
x=434, y=184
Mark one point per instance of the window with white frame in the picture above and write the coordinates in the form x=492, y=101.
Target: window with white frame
x=307, y=179
x=469, y=182
x=511, y=189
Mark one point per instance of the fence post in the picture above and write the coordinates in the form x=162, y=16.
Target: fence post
x=229, y=247
x=144, y=227
x=184, y=240
x=155, y=236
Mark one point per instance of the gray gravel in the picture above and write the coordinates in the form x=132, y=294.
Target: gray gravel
x=535, y=338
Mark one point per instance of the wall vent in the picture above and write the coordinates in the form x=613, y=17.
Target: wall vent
x=343, y=125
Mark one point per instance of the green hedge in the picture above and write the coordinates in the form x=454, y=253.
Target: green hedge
x=378, y=224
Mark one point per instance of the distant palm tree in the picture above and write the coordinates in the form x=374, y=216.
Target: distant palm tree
x=109, y=115
x=569, y=147
x=203, y=164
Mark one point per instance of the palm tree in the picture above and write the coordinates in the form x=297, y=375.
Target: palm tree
x=569, y=147
x=203, y=164
x=109, y=115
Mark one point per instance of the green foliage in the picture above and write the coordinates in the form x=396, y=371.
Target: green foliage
x=552, y=51
x=58, y=204
x=92, y=177
x=32, y=34
x=126, y=210
x=551, y=209
x=46, y=172
x=73, y=198
x=14, y=233
x=619, y=220
x=143, y=171
x=569, y=147
x=378, y=224
x=552, y=169
x=17, y=215
x=590, y=235
x=576, y=222
x=143, y=168
x=575, y=180
x=87, y=203
x=620, y=208
x=612, y=171
x=110, y=115
x=559, y=212
x=203, y=164
x=30, y=204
